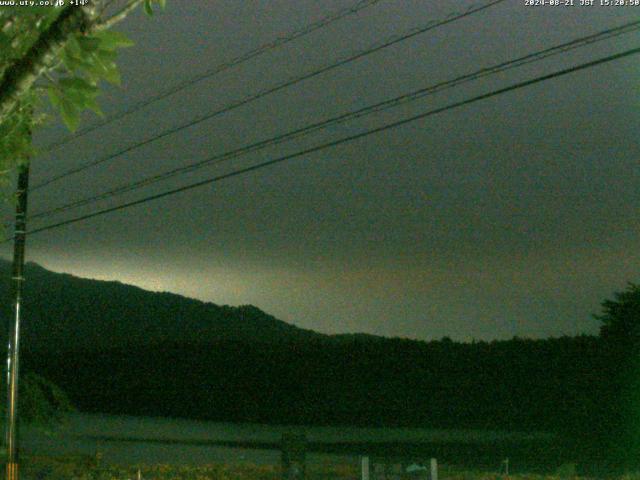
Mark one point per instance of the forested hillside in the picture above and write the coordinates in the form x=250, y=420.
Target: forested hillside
x=119, y=349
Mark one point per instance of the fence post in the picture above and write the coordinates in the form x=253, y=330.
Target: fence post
x=365, y=468
x=434, y=469
x=293, y=452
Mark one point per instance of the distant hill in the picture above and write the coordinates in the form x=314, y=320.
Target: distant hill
x=119, y=349
x=64, y=312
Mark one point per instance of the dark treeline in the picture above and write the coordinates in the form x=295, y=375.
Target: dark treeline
x=570, y=385
x=560, y=384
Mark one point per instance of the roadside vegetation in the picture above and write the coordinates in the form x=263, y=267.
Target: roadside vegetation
x=90, y=468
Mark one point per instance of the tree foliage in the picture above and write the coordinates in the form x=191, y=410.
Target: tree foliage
x=42, y=403
x=60, y=53
x=621, y=316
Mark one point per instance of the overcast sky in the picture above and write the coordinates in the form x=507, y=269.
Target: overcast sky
x=516, y=215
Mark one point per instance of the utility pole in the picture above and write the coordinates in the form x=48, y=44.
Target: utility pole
x=17, y=281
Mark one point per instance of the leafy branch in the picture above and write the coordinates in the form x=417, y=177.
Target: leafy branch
x=73, y=48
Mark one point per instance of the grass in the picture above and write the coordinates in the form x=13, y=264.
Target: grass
x=90, y=468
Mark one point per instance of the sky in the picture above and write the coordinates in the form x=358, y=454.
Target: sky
x=515, y=215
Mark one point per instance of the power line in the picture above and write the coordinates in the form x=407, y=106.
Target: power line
x=368, y=110
x=249, y=55
x=340, y=141
x=452, y=17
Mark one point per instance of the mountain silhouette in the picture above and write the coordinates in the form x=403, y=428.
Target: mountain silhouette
x=64, y=312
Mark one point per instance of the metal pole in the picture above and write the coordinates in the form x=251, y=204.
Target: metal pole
x=17, y=280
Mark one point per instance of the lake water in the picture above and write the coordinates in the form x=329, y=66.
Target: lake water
x=138, y=440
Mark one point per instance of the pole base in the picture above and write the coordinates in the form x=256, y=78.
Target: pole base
x=12, y=471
